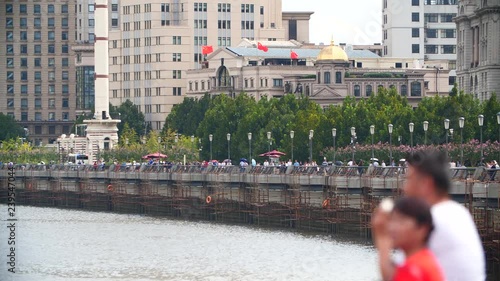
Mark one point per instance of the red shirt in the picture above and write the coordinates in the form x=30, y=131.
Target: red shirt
x=421, y=266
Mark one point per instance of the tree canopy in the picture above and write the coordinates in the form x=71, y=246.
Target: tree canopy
x=9, y=128
x=129, y=114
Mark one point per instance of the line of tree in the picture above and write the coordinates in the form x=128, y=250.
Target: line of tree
x=221, y=115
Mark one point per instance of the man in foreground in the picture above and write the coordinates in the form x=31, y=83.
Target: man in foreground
x=455, y=241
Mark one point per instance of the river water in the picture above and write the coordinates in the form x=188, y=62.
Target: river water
x=54, y=244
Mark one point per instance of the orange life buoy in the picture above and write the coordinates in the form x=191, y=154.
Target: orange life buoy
x=110, y=187
x=209, y=199
x=326, y=203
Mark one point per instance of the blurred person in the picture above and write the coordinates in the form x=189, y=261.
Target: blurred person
x=455, y=240
x=407, y=227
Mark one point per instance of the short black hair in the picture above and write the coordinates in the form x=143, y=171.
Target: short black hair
x=433, y=163
x=417, y=209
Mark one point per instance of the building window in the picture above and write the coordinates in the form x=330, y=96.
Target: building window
x=51, y=22
x=65, y=116
x=326, y=78
x=24, y=103
x=65, y=89
x=65, y=75
x=24, y=116
x=415, y=48
x=176, y=74
x=24, y=49
x=176, y=57
x=10, y=103
x=415, y=2
x=38, y=117
x=36, y=9
x=415, y=17
x=64, y=22
x=338, y=77
x=38, y=49
x=176, y=40
x=24, y=75
x=448, y=33
x=52, y=103
x=176, y=91
x=9, y=22
x=10, y=62
x=50, y=9
x=369, y=90
x=52, y=89
x=448, y=49
x=431, y=49
x=10, y=75
x=52, y=116
x=357, y=91
x=38, y=75
x=114, y=7
x=10, y=89
x=65, y=48
x=37, y=35
x=431, y=17
x=416, y=89
x=415, y=32
x=277, y=82
x=9, y=9
x=404, y=90
x=64, y=9
x=432, y=33
x=447, y=17
x=10, y=35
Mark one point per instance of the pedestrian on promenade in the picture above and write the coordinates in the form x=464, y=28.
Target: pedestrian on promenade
x=455, y=240
x=407, y=227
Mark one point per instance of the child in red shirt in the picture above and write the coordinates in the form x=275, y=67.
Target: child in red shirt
x=406, y=227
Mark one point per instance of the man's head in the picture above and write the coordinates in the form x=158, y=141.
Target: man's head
x=428, y=175
x=411, y=223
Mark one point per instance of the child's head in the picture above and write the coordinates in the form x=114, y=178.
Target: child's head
x=411, y=223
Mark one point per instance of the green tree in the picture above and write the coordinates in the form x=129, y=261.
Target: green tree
x=129, y=114
x=9, y=128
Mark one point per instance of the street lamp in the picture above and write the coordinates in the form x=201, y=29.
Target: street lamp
x=334, y=134
x=126, y=149
x=59, y=151
x=461, y=123
x=480, y=120
x=411, y=126
x=269, y=141
x=390, y=127
x=228, y=146
x=249, y=146
x=210, y=138
x=498, y=122
x=353, y=142
x=426, y=127
x=311, y=135
x=292, y=134
x=446, y=127
x=372, y=132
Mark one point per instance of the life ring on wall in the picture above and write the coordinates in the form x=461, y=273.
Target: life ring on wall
x=326, y=203
x=209, y=199
x=110, y=187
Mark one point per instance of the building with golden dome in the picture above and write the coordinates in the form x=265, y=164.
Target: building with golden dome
x=326, y=75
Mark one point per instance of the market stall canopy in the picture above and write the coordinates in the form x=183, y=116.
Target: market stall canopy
x=154, y=155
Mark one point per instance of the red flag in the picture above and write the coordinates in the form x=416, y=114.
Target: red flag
x=205, y=50
x=262, y=47
x=293, y=55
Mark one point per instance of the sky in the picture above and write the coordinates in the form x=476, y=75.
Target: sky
x=351, y=22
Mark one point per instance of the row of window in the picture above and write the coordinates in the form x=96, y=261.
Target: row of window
x=38, y=117
x=37, y=35
x=37, y=9
x=24, y=89
x=37, y=49
x=433, y=17
x=433, y=49
x=416, y=89
x=327, y=78
x=51, y=103
x=176, y=91
x=201, y=83
x=37, y=75
x=434, y=2
x=137, y=59
x=91, y=8
x=433, y=33
x=37, y=62
x=37, y=22
x=176, y=74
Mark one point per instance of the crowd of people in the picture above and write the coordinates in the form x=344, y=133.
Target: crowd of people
x=436, y=235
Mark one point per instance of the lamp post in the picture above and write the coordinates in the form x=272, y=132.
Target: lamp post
x=480, y=120
x=390, y=127
x=411, y=126
x=59, y=151
x=292, y=134
x=451, y=134
x=269, y=141
x=159, y=145
x=498, y=122
x=192, y=144
x=126, y=148
x=210, y=138
x=353, y=142
x=200, y=149
x=228, y=146
x=426, y=127
x=446, y=127
x=461, y=123
x=372, y=132
x=334, y=134
x=311, y=135
x=249, y=146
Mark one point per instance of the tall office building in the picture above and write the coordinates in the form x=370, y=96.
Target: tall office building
x=478, y=63
x=37, y=68
x=157, y=41
x=420, y=29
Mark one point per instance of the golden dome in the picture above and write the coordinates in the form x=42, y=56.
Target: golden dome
x=332, y=52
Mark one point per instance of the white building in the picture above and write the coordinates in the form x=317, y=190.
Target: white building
x=420, y=29
x=478, y=64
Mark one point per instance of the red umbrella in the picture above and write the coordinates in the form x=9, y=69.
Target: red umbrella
x=273, y=153
x=154, y=155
